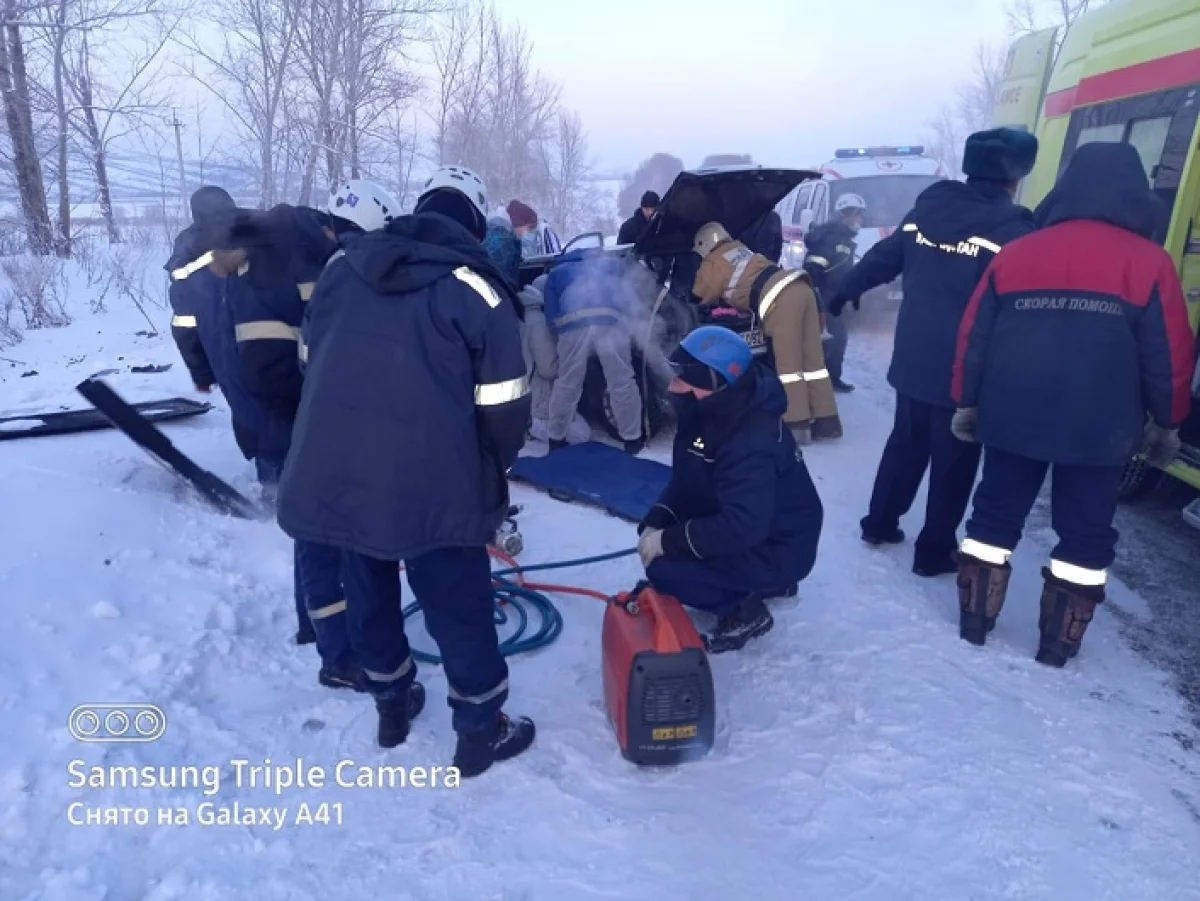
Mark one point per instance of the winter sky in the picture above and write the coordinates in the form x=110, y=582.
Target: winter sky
x=780, y=79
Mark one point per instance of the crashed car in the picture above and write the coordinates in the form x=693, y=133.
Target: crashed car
x=663, y=266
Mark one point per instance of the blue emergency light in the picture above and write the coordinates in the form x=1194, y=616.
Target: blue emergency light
x=851, y=153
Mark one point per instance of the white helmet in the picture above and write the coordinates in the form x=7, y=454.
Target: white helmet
x=364, y=203
x=850, y=202
x=709, y=237
x=464, y=181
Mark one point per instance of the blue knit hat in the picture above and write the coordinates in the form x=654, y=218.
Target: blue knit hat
x=1001, y=154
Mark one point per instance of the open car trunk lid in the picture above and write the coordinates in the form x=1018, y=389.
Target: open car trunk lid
x=735, y=196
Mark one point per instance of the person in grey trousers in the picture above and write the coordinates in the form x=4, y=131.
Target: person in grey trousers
x=587, y=305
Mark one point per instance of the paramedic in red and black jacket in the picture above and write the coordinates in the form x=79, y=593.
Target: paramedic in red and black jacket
x=1074, y=353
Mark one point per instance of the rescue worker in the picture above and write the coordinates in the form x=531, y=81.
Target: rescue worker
x=786, y=326
x=942, y=247
x=589, y=306
x=541, y=361
x=278, y=255
x=828, y=260
x=740, y=520
x=1075, y=351
x=202, y=325
x=635, y=226
x=414, y=408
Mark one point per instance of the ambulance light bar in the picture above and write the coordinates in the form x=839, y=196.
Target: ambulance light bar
x=851, y=153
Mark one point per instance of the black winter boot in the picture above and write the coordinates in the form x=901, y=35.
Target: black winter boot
x=733, y=630
x=1066, y=611
x=931, y=568
x=557, y=444
x=982, y=588
x=396, y=713
x=503, y=740
x=339, y=677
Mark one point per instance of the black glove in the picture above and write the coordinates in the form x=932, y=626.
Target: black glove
x=839, y=303
x=659, y=517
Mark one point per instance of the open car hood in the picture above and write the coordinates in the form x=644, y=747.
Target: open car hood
x=735, y=196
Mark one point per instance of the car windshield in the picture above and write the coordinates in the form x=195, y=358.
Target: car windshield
x=888, y=197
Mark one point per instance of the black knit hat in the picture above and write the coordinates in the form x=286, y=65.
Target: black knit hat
x=454, y=205
x=1001, y=154
x=650, y=200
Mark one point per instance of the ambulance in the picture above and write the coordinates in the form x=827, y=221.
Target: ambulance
x=887, y=178
x=1127, y=71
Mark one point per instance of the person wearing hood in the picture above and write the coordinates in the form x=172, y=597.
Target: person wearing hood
x=203, y=327
x=785, y=325
x=590, y=304
x=414, y=407
x=942, y=248
x=635, y=226
x=1074, y=353
x=503, y=246
x=740, y=520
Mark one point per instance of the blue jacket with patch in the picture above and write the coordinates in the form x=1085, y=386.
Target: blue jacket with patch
x=415, y=398
x=737, y=485
x=587, y=288
x=203, y=329
x=286, y=249
x=942, y=247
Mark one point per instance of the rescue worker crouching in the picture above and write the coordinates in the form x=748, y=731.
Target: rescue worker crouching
x=414, y=408
x=942, y=247
x=782, y=304
x=202, y=325
x=740, y=520
x=589, y=303
x=1075, y=337
x=828, y=260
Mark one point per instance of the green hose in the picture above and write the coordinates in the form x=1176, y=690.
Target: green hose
x=514, y=601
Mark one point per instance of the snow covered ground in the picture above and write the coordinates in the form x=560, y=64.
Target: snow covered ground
x=864, y=752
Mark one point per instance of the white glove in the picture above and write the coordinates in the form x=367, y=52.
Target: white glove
x=965, y=425
x=650, y=546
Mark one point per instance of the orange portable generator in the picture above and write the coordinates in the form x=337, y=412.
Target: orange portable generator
x=657, y=684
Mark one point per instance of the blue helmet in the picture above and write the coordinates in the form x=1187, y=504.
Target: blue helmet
x=712, y=357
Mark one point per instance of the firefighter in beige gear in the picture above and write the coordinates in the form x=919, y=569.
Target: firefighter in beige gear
x=783, y=305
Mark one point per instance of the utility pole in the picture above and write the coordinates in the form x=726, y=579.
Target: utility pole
x=183, y=191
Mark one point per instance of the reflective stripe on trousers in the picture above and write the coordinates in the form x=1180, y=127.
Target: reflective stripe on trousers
x=1078, y=575
x=814, y=376
x=996, y=556
x=183, y=322
x=480, y=698
x=501, y=392
x=402, y=671
x=266, y=330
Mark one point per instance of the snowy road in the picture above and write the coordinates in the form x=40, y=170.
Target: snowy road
x=863, y=751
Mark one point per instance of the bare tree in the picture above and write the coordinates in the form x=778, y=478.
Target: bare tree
x=109, y=107
x=970, y=111
x=571, y=200
x=252, y=67
x=18, y=117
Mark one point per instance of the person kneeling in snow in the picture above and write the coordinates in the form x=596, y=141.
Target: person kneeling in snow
x=740, y=520
x=414, y=408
